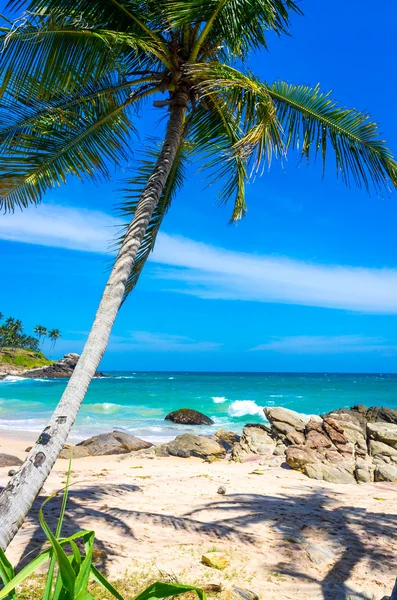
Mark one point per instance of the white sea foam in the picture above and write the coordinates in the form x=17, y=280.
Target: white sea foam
x=240, y=408
x=104, y=407
x=171, y=377
x=119, y=377
x=219, y=399
x=13, y=379
x=276, y=395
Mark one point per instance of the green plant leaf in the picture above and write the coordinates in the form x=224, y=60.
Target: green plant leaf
x=99, y=578
x=165, y=590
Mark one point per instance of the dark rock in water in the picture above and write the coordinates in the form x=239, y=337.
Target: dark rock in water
x=116, y=442
x=8, y=460
x=187, y=416
x=60, y=369
x=187, y=445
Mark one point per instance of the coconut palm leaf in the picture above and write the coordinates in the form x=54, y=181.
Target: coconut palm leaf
x=133, y=192
x=44, y=56
x=84, y=146
x=239, y=24
x=313, y=123
x=20, y=116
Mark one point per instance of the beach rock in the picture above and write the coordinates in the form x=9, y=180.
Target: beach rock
x=216, y=560
x=74, y=452
x=11, y=473
x=227, y=439
x=382, y=449
x=60, y=369
x=385, y=472
x=187, y=445
x=319, y=554
x=376, y=414
x=289, y=417
x=237, y=593
x=280, y=449
x=354, y=430
x=332, y=474
x=298, y=457
x=116, y=442
x=187, y=416
x=221, y=490
x=8, y=460
x=255, y=440
x=383, y=432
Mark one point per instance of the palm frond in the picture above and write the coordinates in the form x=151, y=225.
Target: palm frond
x=239, y=24
x=313, y=123
x=245, y=98
x=122, y=16
x=23, y=116
x=214, y=131
x=85, y=145
x=133, y=192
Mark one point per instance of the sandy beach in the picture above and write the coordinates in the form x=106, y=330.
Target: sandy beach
x=286, y=536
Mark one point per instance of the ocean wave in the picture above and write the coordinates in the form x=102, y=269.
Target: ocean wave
x=13, y=379
x=276, y=395
x=118, y=377
x=171, y=377
x=104, y=407
x=219, y=399
x=241, y=408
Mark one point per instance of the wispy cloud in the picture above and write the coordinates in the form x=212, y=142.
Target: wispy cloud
x=322, y=344
x=210, y=272
x=159, y=342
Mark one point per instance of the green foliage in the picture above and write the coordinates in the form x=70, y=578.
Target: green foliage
x=70, y=568
x=20, y=357
x=12, y=335
x=74, y=75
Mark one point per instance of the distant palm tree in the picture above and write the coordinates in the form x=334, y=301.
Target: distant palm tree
x=1, y=316
x=41, y=332
x=74, y=75
x=54, y=335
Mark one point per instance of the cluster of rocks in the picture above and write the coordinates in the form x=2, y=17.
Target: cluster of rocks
x=61, y=369
x=343, y=446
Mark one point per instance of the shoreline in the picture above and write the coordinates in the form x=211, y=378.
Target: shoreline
x=284, y=535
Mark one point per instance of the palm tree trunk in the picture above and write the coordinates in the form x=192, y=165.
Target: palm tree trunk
x=23, y=487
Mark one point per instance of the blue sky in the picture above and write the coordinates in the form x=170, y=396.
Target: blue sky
x=306, y=282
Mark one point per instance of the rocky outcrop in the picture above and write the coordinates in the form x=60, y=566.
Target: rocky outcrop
x=187, y=445
x=60, y=369
x=187, y=416
x=104, y=444
x=227, y=439
x=343, y=446
x=8, y=460
x=255, y=440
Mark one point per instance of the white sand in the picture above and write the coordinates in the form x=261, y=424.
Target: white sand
x=163, y=513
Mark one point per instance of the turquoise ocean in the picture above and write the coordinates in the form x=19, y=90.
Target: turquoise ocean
x=137, y=402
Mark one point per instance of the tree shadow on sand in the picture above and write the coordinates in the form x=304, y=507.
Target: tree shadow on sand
x=355, y=533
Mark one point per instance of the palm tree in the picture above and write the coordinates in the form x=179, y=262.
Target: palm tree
x=41, y=332
x=54, y=335
x=74, y=76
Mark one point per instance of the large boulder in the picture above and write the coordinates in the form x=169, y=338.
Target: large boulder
x=285, y=419
x=60, y=369
x=8, y=460
x=255, y=440
x=116, y=442
x=330, y=473
x=384, y=472
x=383, y=432
x=187, y=445
x=227, y=439
x=187, y=416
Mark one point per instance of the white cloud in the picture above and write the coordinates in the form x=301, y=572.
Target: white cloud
x=321, y=344
x=215, y=273
x=159, y=342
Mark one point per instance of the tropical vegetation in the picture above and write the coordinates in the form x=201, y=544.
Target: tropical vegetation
x=75, y=76
x=12, y=335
